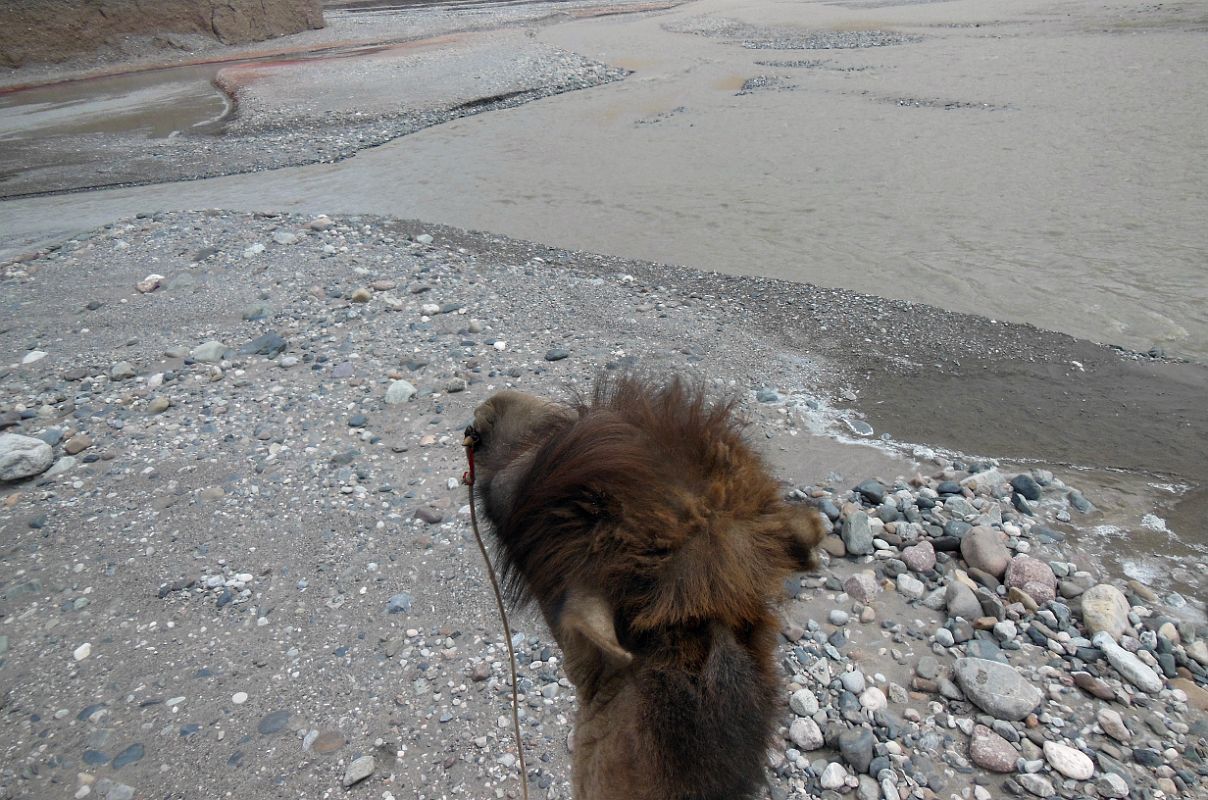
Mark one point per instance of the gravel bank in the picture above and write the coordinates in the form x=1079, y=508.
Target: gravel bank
x=247, y=567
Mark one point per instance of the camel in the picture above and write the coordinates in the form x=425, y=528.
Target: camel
x=654, y=541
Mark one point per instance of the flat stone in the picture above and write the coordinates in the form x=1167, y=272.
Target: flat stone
x=23, y=457
x=961, y=601
x=1092, y=685
x=130, y=755
x=1104, y=608
x=269, y=345
x=990, y=751
x=272, y=723
x=996, y=688
x=1113, y=725
x=328, y=742
x=556, y=354
x=1133, y=669
x=857, y=534
x=359, y=770
x=1068, y=761
x=1037, y=785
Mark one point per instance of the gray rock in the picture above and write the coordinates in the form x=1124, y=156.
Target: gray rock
x=911, y=586
x=857, y=534
x=23, y=456
x=1037, y=785
x=556, y=354
x=210, y=352
x=400, y=392
x=803, y=703
x=1026, y=486
x=130, y=755
x=961, y=601
x=269, y=345
x=996, y=688
x=273, y=722
x=1111, y=785
x=804, y=733
x=359, y=770
x=873, y=491
x=766, y=395
x=1133, y=669
x=121, y=371
x=856, y=748
x=1105, y=609
x=399, y=604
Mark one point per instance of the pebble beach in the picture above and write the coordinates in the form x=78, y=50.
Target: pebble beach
x=237, y=556
x=235, y=550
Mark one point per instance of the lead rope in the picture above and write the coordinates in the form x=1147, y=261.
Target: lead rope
x=468, y=480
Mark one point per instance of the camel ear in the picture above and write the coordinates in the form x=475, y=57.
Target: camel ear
x=589, y=617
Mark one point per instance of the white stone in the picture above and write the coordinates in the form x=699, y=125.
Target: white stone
x=1127, y=664
x=150, y=283
x=82, y=652
x=911, y=587
x=23, y=456
x=32, y=356
x=359, y=770
x=1069, y=762
x=806, y=734
x=239, y=698
x=833, y=776
x=400, y=392
x=873, y=699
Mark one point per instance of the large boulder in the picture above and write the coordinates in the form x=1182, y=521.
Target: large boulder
x=996, y=688
x=1104, y=608
x=984, y=549
x=23, y=457
x=1033, y=576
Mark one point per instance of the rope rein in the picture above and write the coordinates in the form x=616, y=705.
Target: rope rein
x=468, y=479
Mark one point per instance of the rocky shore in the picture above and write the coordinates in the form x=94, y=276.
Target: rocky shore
x=236, y=556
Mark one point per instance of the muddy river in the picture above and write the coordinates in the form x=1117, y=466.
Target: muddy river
x=1041, y=163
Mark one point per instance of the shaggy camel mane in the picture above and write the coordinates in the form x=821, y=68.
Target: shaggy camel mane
x=650, y=497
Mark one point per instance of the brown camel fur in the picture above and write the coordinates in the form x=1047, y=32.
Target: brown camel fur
x=654, y=541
